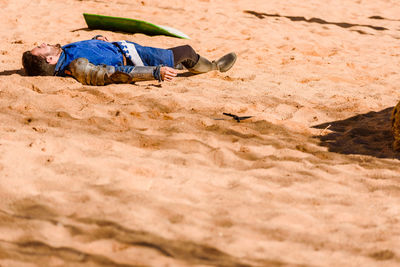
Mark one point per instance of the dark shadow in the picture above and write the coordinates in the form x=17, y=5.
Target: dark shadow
x=314, y=20
x=157, y=85
x=382, y=18
x=90, y=30
x=11, y=72
x=82, y=29
x=365, y=134
x=187, y=74
x=361, y=32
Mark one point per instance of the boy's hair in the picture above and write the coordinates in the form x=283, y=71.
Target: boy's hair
x=37, y=65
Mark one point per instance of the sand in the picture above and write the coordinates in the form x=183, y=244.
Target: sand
x=155, y=175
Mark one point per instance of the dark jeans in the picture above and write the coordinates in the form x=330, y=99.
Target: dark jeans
x=183, y=54
x=186, y=55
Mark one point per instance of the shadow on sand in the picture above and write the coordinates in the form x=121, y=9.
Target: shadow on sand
x=315, y=20
x=11, y=72
x=365, y=134
x=187, y=74
x=382, y=18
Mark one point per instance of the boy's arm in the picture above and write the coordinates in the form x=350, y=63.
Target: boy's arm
x=87, y=73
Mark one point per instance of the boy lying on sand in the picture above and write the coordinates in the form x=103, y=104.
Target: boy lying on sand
x=100, y=62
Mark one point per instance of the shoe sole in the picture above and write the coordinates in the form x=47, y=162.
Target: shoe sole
x=229, y=60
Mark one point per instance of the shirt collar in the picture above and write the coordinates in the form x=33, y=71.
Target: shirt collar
x=60, y=62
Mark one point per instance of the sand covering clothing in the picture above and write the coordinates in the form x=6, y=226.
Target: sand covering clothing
x=100, y=52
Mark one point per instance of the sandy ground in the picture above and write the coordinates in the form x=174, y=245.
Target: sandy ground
x=154, y=175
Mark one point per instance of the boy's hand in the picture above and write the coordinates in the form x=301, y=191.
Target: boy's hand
x=167, y=73
x=102, y=38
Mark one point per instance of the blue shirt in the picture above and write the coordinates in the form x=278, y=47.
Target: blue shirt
x=100, y=52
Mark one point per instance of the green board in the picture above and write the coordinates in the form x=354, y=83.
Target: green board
x=130, y=25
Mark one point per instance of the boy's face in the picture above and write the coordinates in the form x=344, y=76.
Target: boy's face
x=45, y=50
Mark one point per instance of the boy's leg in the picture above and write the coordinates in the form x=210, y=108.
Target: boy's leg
x=197, y=64
x=185, y=55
